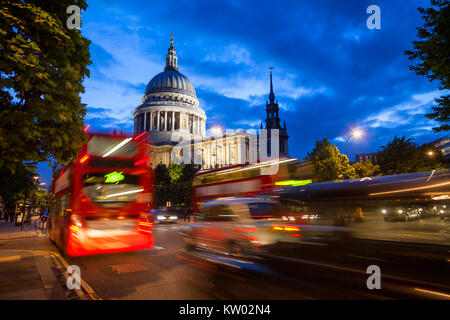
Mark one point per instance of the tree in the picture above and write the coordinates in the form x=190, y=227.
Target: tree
x=162, y=181
x=433, y=52
x=329, y=163
x=175, y=172
x=366, y=169
x=401, y=155
x=42, y=67
x=189, y=170
x=40, y=198
x=174, y=183
x=15, y=186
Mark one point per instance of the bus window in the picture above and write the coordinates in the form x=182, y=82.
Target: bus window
x=262, y=210
x=52, y=211
x=61, y=205
x=113, y=189
x=218, y=213
x=103, y=145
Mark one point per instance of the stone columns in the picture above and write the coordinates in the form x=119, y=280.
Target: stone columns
x=195, y=124
x=157, y=120
x=151, y=120
x=173, y=121
x=165, y=120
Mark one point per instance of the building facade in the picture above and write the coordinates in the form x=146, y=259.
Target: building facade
x=361, y=157
x=175, y=125
x=443, y=145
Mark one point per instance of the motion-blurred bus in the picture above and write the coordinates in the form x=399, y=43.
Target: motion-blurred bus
x=100, y=202
x=248, y=180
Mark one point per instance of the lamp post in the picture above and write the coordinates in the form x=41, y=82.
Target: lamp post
x=355, y=133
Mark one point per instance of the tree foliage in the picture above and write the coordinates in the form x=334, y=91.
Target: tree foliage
x=366, y=169
x=40, y=198
x=173, y=184
x=42, y=66
x=14, y=186
x=401, y=155
x=433, y=53
x=329, y=163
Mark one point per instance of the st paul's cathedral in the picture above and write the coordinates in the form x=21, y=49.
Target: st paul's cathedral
x=176, y=125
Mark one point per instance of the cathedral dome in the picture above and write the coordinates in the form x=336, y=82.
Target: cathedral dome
x=170, y=81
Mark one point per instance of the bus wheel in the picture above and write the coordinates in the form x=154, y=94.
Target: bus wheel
x=234, y=248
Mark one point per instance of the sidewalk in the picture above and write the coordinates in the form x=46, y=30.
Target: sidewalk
x=27, y=274
x=9, y=231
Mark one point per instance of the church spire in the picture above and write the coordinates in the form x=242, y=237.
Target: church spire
x=271, y=95
x=171, y=58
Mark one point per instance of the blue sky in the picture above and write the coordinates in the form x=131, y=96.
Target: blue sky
x=332, y=73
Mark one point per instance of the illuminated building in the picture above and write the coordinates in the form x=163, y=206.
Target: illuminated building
x=176, y=124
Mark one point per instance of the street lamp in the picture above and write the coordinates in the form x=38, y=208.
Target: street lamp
x=355, y=133
x=430, y=153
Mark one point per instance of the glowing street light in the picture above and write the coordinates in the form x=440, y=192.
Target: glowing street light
x=355, y=133
x=430, y=153
x=216, y=130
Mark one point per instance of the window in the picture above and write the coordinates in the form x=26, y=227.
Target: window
x=218, y=213
x=100, y=145
x=111, y=190
x=53, y=209
x=262, y=210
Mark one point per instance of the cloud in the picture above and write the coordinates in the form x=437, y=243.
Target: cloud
x=403, y=113
x=233, y=53
x=249, y=123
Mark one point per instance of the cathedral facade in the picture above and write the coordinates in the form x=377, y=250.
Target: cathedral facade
x=175, y=125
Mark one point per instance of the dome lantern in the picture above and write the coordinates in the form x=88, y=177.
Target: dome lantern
x=171, y=58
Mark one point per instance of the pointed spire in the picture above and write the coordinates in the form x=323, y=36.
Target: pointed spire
x=271, y=95
x=284, y=125
x=171, y=58
x=261, y=125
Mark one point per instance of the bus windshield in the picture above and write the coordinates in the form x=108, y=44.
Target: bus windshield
x=106, y=146
x=111, y=189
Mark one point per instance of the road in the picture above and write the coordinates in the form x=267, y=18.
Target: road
x=169, y=272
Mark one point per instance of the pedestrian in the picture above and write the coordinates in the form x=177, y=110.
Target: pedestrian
x=43, y=218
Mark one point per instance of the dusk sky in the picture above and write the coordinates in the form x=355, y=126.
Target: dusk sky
x=332, y=73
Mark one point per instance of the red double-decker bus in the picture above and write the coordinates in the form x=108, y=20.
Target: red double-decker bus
x=100, y=202
x=248, y=180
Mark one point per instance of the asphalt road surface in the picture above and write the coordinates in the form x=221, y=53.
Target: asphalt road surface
x=307, y=272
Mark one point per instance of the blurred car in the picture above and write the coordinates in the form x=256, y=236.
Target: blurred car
x=163, y=216
x=401, y=213
x=233, y=226
x=443, y=211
